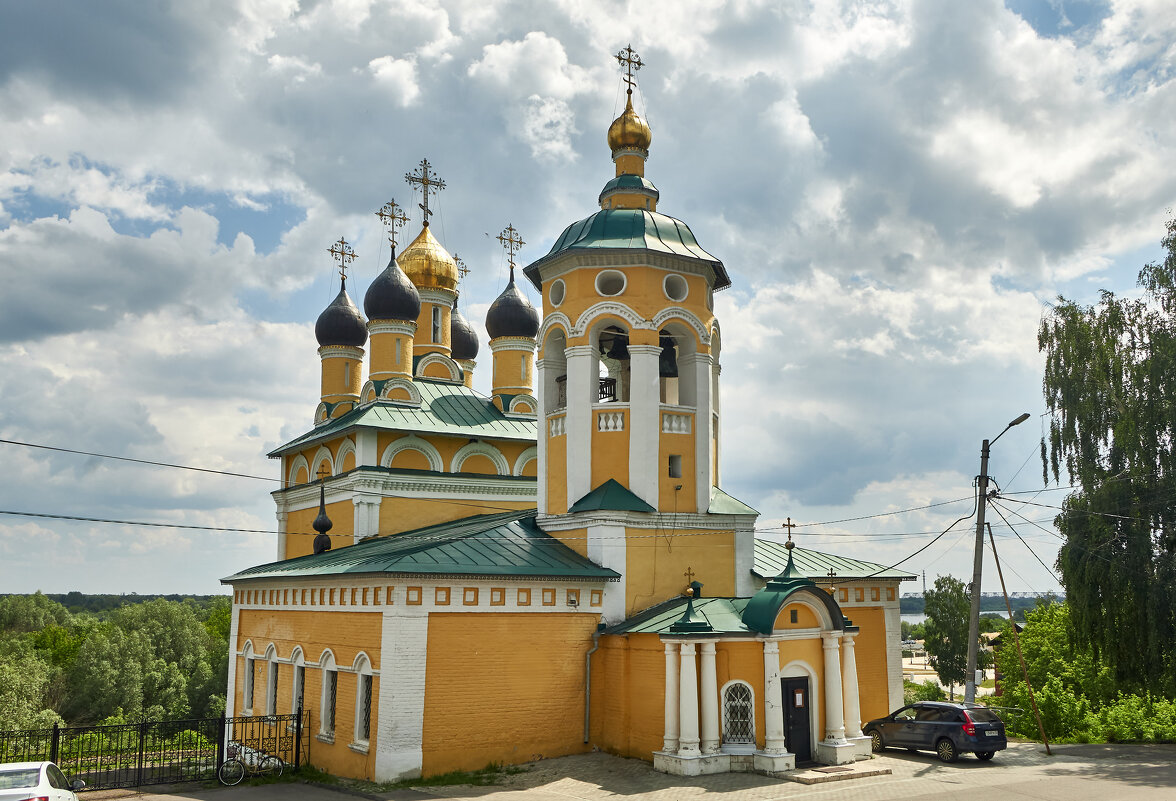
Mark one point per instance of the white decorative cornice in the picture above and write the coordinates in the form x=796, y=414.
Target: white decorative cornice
x=610, y=308
x=482, y=449
x=363, y=482
x=392, y=327
x=524, y=344
x=407, y=385
x=687, y=316
x=579, y=350
x=413, y=443
x=439, y=296
x=688, y=522
x=439, y=358
x=553, y=320
x=340, y=352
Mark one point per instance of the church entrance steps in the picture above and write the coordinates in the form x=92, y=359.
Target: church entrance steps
x=836, y=773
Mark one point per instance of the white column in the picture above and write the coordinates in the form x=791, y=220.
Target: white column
x=688, y=706
x=543, y=432
x=709, y=700
x=834, y=714
x=582, y=391
x=282, y=518
x=704, y=463
x=644, y=422
x=366, y=453
x=773, y=701
x=671, y=740
x=849, y=684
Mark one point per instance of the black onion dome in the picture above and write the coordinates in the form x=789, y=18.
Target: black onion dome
x=341, y=323
x=511, y=314
x=392, y=295
x=463, y=340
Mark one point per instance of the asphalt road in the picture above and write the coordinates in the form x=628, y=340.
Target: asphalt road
x=1022, y=773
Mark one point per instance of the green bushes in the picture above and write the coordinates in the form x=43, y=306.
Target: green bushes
x=927, y=691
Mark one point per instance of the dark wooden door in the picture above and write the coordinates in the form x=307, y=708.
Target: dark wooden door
x=796, y=718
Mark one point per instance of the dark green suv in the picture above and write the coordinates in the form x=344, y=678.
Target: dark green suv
x=945, y=728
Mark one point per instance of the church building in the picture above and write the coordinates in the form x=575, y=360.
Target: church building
x=554, y=568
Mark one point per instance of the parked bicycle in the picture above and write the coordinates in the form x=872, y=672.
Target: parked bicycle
x=244, y=762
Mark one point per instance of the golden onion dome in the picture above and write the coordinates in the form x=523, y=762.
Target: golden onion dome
x=629, y=130
x=427, y=264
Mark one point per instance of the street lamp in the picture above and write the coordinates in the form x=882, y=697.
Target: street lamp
x=978, y=564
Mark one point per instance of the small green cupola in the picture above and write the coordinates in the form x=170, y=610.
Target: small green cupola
x=761, y=611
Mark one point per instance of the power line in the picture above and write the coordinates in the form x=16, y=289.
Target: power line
x=139, y=461
x=879, y=514
x=1035, y=556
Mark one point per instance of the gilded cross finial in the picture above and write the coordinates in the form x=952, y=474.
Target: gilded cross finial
x=323, y=472
x=630, y=62
x=832, y=573
x=462, y=270
x=511, y=242
x=393, y=217
x=344, y=255
x=689, y=574
x=425, y=179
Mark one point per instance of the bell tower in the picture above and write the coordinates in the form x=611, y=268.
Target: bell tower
x=628, y=383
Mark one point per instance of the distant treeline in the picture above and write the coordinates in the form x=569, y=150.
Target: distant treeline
x=77, y=602
x=914, y=605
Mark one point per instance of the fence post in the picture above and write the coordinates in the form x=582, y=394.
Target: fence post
x=54, y=742
x=142, y=752
x=298, y=738
x=222, y=727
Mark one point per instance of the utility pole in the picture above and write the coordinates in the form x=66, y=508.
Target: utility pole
x=978, y=564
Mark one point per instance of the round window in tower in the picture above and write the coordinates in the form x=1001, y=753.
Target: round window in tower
x=558, y=292
x=675, y=287
x=610, y=282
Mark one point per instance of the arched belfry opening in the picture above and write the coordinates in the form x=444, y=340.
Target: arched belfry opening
x=614, y=364
x=676, y=366
x=555, y=371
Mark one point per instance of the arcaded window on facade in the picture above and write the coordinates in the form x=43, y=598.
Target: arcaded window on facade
x=614, y=364
x=436, y=324
x=738, y=715
x=363, y=700
x=248, y=694
x=271, y=688
x=328, y=692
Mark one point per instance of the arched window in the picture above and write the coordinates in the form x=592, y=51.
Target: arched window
x=363, y=699
x=738, y=714
x=247, y=687
x=271, y=681
x=298, y=687
x=327, y=696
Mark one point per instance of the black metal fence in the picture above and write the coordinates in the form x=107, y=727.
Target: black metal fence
x=157, y=751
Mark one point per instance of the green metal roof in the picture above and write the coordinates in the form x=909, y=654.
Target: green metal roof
x=723, y=504
x=629, y=183
x=630, y=229
x=446, y=408
x=503, y=544
x=771, y=558
x=611, y=496
x=725, y=616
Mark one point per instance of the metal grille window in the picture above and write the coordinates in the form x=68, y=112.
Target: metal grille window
x=299, y=686
x=271, y=689
x=738, y=714
x=366, y=685
x=332, y=687
x=248, y=683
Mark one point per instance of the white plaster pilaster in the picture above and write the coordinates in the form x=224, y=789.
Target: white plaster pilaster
x=366, y=451
x=367, y=516
x=644, y=422
x=834, y=712
x=774, y=742
x=704, y=463
x=892, y=616
x=688, y=706
x=582, y=389
x=708, y=700
x=672, y=701
x=542, y=431
x=231, y=695
x=745, y=582
x=401, y=713
x=849, y=684
x=607, y=547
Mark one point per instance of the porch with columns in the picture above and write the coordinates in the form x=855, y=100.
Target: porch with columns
x=693, y=741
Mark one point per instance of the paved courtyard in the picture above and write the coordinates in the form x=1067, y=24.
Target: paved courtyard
x=1022, y=773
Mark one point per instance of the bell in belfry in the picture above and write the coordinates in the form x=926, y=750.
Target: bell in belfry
x=667, y=363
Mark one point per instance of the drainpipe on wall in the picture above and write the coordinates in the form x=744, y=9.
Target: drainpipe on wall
x=588, y=678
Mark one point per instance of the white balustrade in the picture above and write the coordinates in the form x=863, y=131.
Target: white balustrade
x=558, y=425
x=674, y=423
x=610, y=421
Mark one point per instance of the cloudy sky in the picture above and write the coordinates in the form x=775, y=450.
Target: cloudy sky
x=898, y=189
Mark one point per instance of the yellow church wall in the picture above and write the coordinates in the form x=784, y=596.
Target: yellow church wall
x=407, y=514
x=574, y=538
x=300, y=531
x=348, y=462
x=341, y=377
x=346, y=634
x=410, y=460
x=436, y=370
x=501, y=687
x=870, y=654
x=805, y=618
x=644, y=293
x=384, y=363
x=423, y=343
x=656, y=566
x=811, y=652
x=477, y=463
x=610, y=454
x=628, y=695
x=743, y=661
x=557, y=478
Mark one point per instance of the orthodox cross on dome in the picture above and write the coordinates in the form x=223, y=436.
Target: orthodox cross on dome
x=344, y=255
x=323, y=472
x=832, y=573
x=425, y=179
x=789, y=526
x=462, y=270
x=393, y=217
x=511, y=243
x=689, y=574
x=630, y=62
